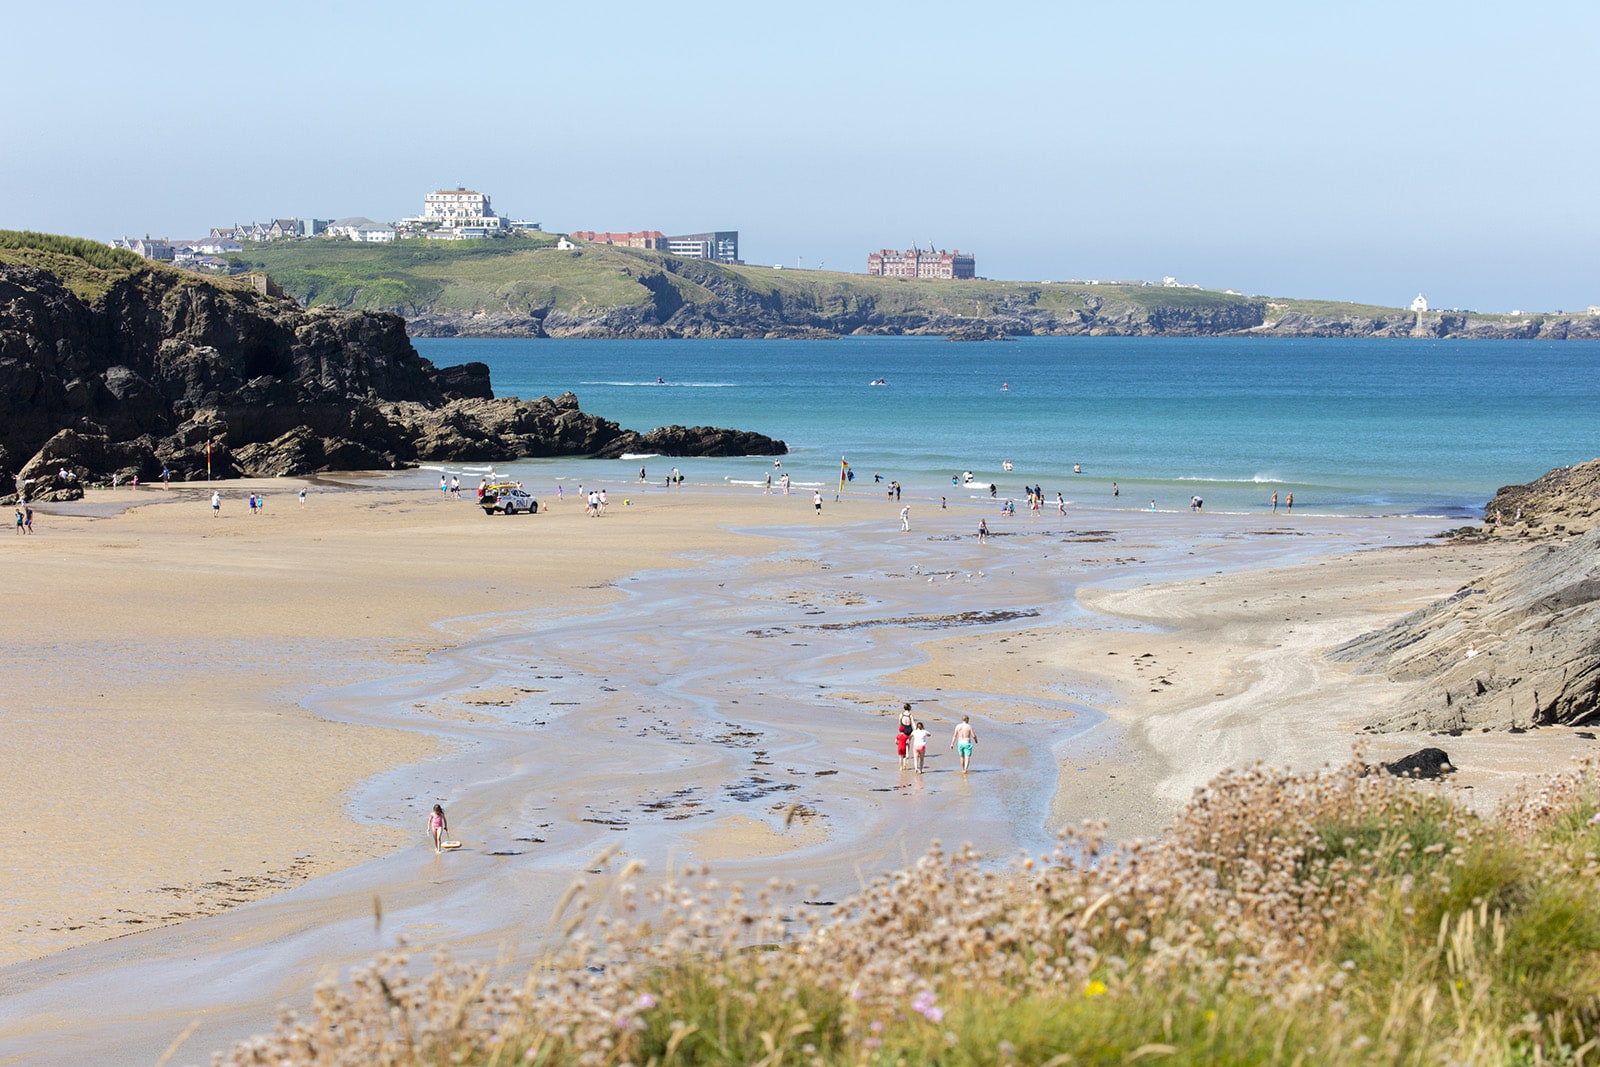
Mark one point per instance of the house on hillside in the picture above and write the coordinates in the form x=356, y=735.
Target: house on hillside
x=654, y=240
x=150, y=248
x=361, y=228
x=1420, y=303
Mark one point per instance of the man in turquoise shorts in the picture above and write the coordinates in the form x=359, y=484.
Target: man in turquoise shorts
x=963, y=740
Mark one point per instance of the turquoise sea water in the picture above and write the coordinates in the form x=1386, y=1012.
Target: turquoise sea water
x=1347, y=426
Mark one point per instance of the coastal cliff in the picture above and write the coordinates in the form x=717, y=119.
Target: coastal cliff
x=112, y=366
x=530, y=288
x=1516, y=648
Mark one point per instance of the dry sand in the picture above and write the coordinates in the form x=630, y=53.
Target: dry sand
x=164, y=761
x=157, y=763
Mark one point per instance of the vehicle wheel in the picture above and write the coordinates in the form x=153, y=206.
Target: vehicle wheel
x=511, y=509
x=533, y=509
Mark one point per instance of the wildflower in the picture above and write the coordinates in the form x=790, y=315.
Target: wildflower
x=646, y=1002
x=877, y=1026
x=1095, y=988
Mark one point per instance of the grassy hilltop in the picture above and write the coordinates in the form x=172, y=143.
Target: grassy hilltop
x=527, y=287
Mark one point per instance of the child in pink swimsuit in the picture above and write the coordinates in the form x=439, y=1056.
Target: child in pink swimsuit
x=438, y=825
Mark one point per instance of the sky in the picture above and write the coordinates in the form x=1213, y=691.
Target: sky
x=1351, y=151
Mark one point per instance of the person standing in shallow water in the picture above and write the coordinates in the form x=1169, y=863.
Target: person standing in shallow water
x=919, y=745
x=903, y=734
x=438, y=825
x=963, y=740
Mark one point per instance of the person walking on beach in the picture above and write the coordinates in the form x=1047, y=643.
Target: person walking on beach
x=438, y=825
x=816, y=500
x=27, y=518
x=983, y=531
x=768, y=489
x=641, y=474
x=963, y=740
x=903, y=734
x=1274, y=501
x=905, y=517
x=1288, y=504
x=216, y=505
x=919, y=745
x=19, y=520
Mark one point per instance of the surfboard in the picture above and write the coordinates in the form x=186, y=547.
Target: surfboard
x=450, y=844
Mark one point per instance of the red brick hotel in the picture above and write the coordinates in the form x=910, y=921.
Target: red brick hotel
x=916, y=263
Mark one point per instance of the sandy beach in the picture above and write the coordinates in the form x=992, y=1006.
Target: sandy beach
x=224, y=732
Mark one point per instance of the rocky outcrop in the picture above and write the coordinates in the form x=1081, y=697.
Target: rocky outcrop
x=692, y=441
x=1565, y=501
x=1519, y=647
x=1424, y=763
x=978, y=333
x=167, y=370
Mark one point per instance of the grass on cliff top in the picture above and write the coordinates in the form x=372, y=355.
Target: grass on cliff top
x=89, y=269
x=1333, y=918
x=525, y=276
x=514, y=275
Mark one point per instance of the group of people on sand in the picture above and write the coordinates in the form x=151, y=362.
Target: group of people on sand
x=911, y=741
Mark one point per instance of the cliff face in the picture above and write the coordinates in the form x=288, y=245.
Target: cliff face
x=1519, y=647
x=672, y=297
x=161, y=363
x=1436, y=324
x=696, y=299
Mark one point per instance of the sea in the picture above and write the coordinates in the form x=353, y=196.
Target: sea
x=1348, y=426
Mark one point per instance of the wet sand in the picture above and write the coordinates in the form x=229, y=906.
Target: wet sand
x=240, y=723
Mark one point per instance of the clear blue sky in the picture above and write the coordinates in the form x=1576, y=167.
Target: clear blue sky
x=1357, y=151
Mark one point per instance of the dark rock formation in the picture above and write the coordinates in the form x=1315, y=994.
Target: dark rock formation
x=692, y=441
x=978, y=333
x=167, y=370
x=1423, y=763
x=1519, y=647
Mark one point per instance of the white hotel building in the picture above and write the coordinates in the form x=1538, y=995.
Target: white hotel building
x=460, y=209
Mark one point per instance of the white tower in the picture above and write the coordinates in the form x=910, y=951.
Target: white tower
x=1420, y=303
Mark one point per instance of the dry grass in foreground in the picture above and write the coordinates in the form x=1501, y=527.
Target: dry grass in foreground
x=1329, y=918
